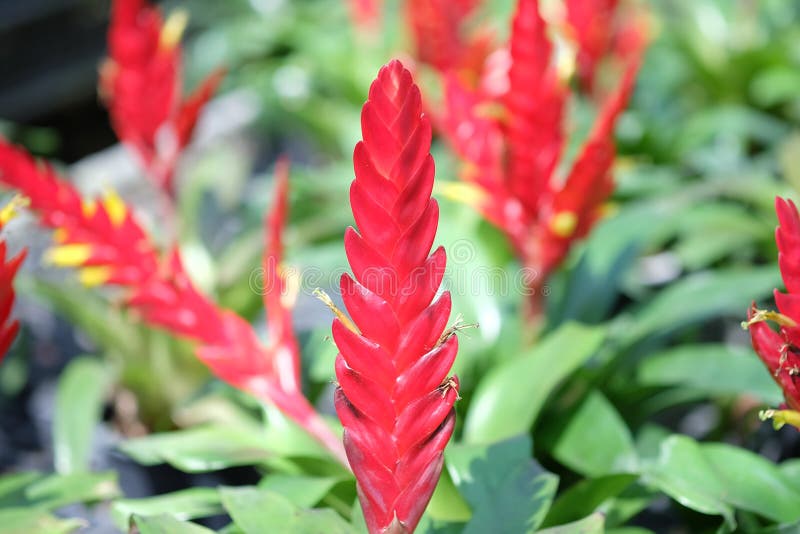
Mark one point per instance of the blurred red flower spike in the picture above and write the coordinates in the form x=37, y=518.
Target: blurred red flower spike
x=397, y=414
x=141, y=84
x=8, y=270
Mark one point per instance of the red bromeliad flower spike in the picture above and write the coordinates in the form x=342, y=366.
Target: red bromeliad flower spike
x=141, y=84
x=104, y=240
x=394, y=398
x=510, y=135
x=780, y=351
x=8, y=270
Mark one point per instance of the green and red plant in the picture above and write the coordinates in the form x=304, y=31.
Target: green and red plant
x=394, y=399
x=8, y=270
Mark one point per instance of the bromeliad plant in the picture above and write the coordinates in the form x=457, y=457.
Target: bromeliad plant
x=394, y=398
x=141, y=84
x=780, y=351
x=510, y=135
x=104, y=240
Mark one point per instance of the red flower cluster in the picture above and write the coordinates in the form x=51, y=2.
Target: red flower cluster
x=141, y=85
x=8, y=270
x=510, y=133
x=394, y=399
x=106, y=242
x=780, y=351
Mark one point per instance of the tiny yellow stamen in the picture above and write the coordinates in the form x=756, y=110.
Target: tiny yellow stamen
x=11, y=209
x=469, y=194
x=94, y=276
x=173, y=29
x=115, y=207
x=563, y=223
x=72, y=255
x=767, y=315
x=781, y=417
x=321, y=295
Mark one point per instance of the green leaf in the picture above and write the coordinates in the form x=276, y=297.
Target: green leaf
x=200, y=449
x=185, y=504
x=257, y=510
x=300, y=490
x=508, y=491
x=699, y=297
x=586, y=497
x=167, y=524
x=596, y=441
x=753, y=483
x=593, y=524
x=79, y=404
x=12, y=488
x=36, y=521
x=684, y=473
x=56, y=491
x=505, y=405
x=713, y=368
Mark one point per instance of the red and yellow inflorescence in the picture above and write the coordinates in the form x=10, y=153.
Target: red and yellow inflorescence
x=510, y=134
x=141, y=83
x=780, y=351
x=106, y=243
x=394, y=399
x=8, y=270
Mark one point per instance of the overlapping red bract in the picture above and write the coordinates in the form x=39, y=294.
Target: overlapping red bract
x=393, y=397
x=510, y=135
x=8, y=270
x=161, y=292
x=780, y=351
x=141, y=83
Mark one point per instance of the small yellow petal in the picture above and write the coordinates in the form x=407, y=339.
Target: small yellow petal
x=89, y=208
x=492, y=110
x=59, y=235
x=72, y=255
x=94, y=275
x=768, y=315
x=563, y=223
x=173, y=29
x=115, y=207
x=781, y=417
x=10, y=210
x=469, y=194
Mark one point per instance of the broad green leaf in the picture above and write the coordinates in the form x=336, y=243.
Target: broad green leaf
x=300, y=490
x=701, y=296
x=201, y=449
x=447, y=504
x=508, y=491
x=185, y=504
x=593, y=524
x=683, y=472
x=55, y=491
x=79, y=404
x=35, y=521
x=753, y=483
x=791, y=471
x=504, y=403
x=167, y=524
x=256, y=510
x=12, y=488
x=596, y=441
x=586, y=497
x=713, y=368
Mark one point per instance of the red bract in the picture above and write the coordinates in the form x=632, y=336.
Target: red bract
x=510, y=135
x=592, y=22
x=780, y=351
x=8, y=270
x=141, y=84
x=394, y=398
x=441, y=39
x=104, y=240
